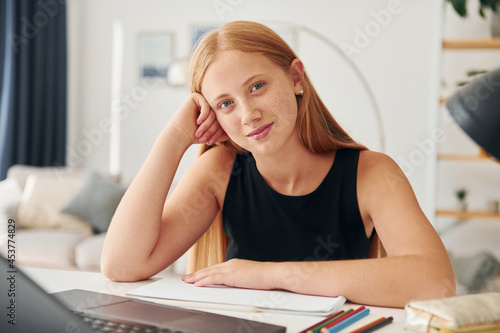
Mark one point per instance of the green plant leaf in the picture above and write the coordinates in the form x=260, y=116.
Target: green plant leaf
x=461, y=194
x=491, y=4
x=460, y=7
x=487, y=4
x=474, y=72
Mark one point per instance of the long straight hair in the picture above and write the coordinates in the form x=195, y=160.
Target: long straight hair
x=319, y=132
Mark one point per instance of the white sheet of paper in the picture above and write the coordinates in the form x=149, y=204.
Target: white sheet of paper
x=174, y=288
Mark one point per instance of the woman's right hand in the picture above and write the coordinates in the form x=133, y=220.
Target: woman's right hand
x=196, y=122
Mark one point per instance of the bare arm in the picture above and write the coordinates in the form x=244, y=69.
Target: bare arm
x=417, y=266
x=139, y=242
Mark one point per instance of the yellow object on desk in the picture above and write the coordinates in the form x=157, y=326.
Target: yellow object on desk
x=461, y=314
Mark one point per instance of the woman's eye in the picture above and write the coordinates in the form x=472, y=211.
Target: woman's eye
x=225, y=104
x=257, y=86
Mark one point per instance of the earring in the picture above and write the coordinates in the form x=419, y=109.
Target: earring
x=301, y=92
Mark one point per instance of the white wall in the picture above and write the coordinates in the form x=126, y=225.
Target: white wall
x=400, y=61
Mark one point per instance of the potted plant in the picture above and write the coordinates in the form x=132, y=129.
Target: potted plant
x=461, y=194
x=471, y=75
x=460, y=7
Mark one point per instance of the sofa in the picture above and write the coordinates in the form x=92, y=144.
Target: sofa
x=57, y=217
x=34, y=199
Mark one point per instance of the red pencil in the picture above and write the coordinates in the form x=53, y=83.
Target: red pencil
x=323, y=321
x=335, y=322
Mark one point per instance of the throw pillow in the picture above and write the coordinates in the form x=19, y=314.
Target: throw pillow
x=20, y=173
x=42, y=200
x=96, y=201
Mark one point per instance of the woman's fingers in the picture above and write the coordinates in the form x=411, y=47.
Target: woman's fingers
x=218, y=136
x=207, y=127
x=203, y=107
x=198, y=121
x=213, y=134
x=236, y=273
x=209, y=130
x=208, y=274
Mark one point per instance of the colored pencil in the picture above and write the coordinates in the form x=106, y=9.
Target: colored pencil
x=319, y=327
x=374, y=325
x=347, y=315
x=369, y=325
x=309, y=329
x=346, y=322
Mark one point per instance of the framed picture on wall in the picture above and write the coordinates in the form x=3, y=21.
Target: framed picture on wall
x=156, y=53
x=199, y=31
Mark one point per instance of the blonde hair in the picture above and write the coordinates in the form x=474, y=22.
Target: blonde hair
x=317, y=128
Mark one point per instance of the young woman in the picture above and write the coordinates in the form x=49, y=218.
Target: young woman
x=299, y=199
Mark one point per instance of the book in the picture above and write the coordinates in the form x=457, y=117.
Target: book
x=173, y=288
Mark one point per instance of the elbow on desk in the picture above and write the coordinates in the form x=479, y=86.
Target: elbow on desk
x=442, y=288
x=120, y=272
x=430, y=291
x=427, y=283
x=433, y=278
x=437, y=287
x=444, y=282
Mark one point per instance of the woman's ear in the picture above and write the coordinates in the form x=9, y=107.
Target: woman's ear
x=297, y=75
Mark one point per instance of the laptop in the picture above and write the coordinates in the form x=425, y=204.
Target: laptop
x=28, y=308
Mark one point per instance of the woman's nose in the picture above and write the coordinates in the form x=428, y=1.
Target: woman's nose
x=251, y=113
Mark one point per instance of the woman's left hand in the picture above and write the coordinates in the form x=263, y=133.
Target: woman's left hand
x=235, y=273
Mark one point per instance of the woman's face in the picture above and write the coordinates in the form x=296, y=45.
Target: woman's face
x=254, y=100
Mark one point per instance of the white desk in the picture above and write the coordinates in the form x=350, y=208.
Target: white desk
x=58, y=280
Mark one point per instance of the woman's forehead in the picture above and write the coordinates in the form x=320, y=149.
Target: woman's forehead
x=232, y=68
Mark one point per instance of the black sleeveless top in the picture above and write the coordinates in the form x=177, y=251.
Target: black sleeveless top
x=264, y=225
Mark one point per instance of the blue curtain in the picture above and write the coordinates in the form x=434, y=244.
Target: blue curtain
x=32, y=83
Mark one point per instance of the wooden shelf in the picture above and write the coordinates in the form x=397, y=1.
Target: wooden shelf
x=492, y=43
x=466, y=215
x=464, y=44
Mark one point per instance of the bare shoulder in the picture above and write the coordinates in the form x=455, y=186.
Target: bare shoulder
x=375, y=167
x=368, y=160
x=381, y=181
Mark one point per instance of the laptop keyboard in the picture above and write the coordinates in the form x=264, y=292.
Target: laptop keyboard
x=118, y=326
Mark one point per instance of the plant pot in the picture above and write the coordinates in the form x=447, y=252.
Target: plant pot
x=495, y=23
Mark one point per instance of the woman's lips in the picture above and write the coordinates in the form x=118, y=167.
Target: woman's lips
x=261, y=132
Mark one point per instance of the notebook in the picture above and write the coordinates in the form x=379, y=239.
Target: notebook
x=174, y=288
x=28, y=308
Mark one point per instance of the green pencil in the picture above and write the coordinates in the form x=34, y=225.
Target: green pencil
x=318, y=328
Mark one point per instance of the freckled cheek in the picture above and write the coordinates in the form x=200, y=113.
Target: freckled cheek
x=228, y=124
x=286, y=109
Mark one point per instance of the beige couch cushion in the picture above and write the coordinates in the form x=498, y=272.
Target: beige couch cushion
x=42, y=201
x=88, y=252
x=48, y=248
x=21, y=173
